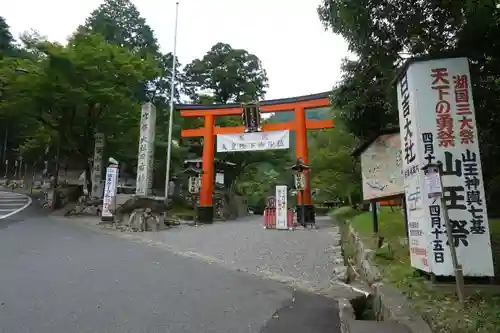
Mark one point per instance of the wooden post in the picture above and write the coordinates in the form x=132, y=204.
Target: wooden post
x=407, y=230
x=375, y=217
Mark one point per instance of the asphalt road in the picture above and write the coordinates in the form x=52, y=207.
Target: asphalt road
x=56, y=277
x=11, y=202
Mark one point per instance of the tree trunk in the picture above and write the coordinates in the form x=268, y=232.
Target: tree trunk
x=58, y=162
x=349, y=198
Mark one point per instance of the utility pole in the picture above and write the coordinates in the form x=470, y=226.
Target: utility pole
x=172, y=97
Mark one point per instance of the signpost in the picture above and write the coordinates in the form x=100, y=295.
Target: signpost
x=281, y=207
x=110, y=187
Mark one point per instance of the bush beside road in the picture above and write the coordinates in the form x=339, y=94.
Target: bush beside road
x=438, y=305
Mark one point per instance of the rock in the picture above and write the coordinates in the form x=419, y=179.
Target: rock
x=94, y=202
x=340, y=273
x=145, y=220
x=91, y=210
x=155, y=204
x=339, y=261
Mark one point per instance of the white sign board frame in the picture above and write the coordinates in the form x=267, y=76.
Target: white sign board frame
x=381, y=168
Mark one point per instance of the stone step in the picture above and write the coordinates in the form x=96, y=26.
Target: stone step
x=372, y=326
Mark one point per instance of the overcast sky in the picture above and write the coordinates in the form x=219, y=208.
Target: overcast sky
x=299, y=56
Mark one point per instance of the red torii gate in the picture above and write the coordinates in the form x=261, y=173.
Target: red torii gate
x=300, y=125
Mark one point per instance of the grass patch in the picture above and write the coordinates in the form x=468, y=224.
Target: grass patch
x=182, y=212
x=344, y=212
x=439, y=307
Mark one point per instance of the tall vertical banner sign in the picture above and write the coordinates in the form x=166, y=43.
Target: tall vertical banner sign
x=145, y=158
x=110, y=190
x=281, y=207
x=437, y=125
x=96, y=174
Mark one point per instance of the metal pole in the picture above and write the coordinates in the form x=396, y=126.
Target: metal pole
x=172, y=96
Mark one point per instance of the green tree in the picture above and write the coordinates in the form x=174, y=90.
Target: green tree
x=229, y=75
x=383, y=33
x=334, y=171
x=120, y=23
x=256, y=184
x=84, y=87
x=6, y=39
x=226, y=75
x=13, y=124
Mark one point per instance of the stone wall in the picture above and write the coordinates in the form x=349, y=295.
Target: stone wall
x=388, y=302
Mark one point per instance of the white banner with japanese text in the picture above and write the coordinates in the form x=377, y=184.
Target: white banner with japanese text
x=437, y=125
x=227, y=143
x=110, y=190
x=281, y=207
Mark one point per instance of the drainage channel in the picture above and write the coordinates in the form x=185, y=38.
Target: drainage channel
x=358, y=315
x=362, y=313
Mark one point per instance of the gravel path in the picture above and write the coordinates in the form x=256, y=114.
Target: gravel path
x=310, y=259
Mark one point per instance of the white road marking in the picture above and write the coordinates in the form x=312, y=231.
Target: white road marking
x=16, y=197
